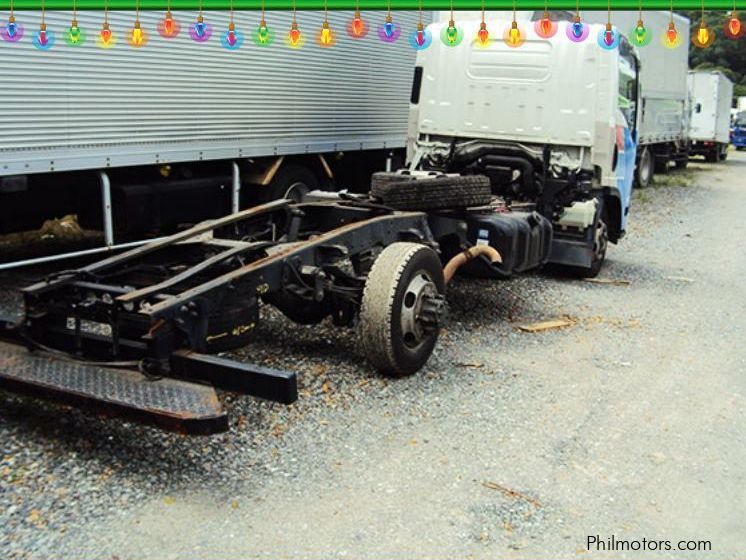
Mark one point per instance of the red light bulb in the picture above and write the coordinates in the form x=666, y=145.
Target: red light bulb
x=608, y=35
x=672, y=35
x=357, y=25
x=106, y=34
x=483, y=35
x=294, y=34
x=546, y=24
x=420, y=35
x=734, y=25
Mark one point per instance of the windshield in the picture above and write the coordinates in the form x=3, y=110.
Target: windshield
x=741, y=119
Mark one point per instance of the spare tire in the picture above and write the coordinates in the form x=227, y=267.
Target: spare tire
x=439, y=192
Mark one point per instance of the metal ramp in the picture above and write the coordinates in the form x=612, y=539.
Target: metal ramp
x=170, y=404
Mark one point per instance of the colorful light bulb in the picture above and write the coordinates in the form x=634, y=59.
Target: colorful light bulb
x=168, y=27
x=452, y=32
x=640, y=36
x=421, y=38
x=703, y=34
x=577, y=31
x=483, y=36
x=704, y=37
x=640, y=32
x=44, y=38
x=106, y=34
x=734, y=24
x=137, y=38
x=608, y=35
x=262, y=33
x=232, y=39
x=514, y=34
x=545, y=27
x=201, y=31
x=388, y=27
x=294, y=36
x=12, y=32
x=672, y=35
x=74, y=35
x=389, y=32
x=357, y=28
x=733, y=27
x=326, y=37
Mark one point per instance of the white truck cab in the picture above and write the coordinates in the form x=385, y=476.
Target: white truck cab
x=552, y=122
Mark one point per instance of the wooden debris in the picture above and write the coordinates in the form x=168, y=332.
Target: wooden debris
x=546, y=325
x=680, y=279
x=475, y=365
x=608, y=281
x=511, y=493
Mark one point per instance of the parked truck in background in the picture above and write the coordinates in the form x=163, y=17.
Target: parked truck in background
x=711, y=95
x=738, y=132
x=179, y=132
x=553, y=124
x=663, y=126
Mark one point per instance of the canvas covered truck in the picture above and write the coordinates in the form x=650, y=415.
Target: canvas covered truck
x=711, y=95
x=553, y=124
x=141, y=142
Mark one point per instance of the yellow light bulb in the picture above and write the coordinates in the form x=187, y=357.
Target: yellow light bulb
x=703, y=35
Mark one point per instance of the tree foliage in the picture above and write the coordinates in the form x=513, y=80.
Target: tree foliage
x=724, y=54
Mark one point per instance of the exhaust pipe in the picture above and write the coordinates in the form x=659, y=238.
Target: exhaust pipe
x=470, y=254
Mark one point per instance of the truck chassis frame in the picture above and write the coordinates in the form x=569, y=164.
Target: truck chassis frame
x=134, y=332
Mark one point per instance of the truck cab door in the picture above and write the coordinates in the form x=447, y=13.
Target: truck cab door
x=627, y=117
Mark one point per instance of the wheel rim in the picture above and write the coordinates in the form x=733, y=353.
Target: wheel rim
x=296, y=192
x=421, y=310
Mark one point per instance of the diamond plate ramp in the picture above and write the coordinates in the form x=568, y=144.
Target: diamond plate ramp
x=170, y=404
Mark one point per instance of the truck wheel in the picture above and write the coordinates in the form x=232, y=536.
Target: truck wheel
x=644, y=172
x=437, y=193
x=293, y=182
x=712, y=155
x=600, y=244
x=723, y=152
x=682, y=163
x=403, y=306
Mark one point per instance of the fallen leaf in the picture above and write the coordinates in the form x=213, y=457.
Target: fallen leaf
x=169, y=500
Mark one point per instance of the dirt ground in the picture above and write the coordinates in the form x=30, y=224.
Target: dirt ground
x=629, y=423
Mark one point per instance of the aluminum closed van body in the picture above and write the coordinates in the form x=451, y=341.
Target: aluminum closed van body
x=711, y=96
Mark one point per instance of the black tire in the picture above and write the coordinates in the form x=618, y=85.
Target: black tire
x=682, y=163
x=292, y=181
x=712, y=156
x=723, y=152
x=403, y=275
x=601, y=243
x=437, y=193
x=645, y=169
x=380, y=180
x=661, y=165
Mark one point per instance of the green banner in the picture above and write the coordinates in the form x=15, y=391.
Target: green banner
x=372, y=4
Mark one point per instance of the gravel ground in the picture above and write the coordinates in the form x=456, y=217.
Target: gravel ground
x=628, y=423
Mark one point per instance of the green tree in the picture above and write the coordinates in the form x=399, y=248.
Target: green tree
x=726, y=55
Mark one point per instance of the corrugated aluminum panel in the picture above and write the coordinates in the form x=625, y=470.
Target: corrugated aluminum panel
x=85, y=107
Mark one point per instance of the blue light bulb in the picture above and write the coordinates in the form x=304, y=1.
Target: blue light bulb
x=200, y=29
x=12, y=29
x=577, y=29
x=388, y=28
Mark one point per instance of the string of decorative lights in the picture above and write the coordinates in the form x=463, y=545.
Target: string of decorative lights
x=451, y=35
